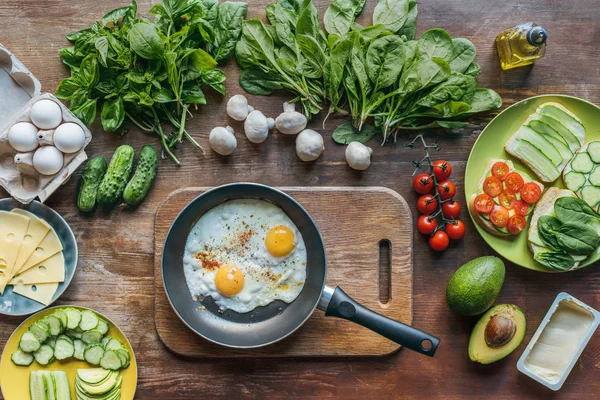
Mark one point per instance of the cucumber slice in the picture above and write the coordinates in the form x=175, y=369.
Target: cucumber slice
x=74, y=334
x=582, y=163
x=91, y=337
x=19, y=357
x=51, y=341
x=73, y=317
x=29, y=343
x=37, y=389
x=93, y=353
x=49, y=384
x=574, y=180
x=64, y=348
x=591, y=195
x=110, y=360
x=55, y=324
x=105, y=340
x=539, y=142
x=61, y=384
x=572, y=123
x=537, y=159
x=593, y=149
x=561, y=147
x=124, y=354
x=89, y=320
x=44, y=355
x=102, y=326
x=79, y=349
x=594, y=176
x=60, y=314
x=40, y=330
x=93, y=376
x=540, y=127
x=113, y=344
x=65, y=337
x=572, y=141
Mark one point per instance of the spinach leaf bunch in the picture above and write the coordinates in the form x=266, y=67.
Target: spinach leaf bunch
x=381, y=72
x=150, y=73
x=574, y=231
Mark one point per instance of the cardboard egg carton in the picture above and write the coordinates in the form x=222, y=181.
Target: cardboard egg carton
x=19, y=91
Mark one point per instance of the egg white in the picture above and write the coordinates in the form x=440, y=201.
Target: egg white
x=233, y=233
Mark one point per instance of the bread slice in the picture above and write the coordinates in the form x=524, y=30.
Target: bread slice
x=484, y=223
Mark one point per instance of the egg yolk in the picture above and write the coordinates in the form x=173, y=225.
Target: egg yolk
x=280, y=241
x=229, y=280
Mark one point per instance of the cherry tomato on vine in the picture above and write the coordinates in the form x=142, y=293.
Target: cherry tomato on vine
x=423, y=183
x=516, y=224
x=446, y=190
x=427, y=204
x=455, y=230
x=499, y=217
x=441, y=170
x=531, y=192
x=426, y=225
x=514, y=181
x=484, y=203
x=492, y=186
x=451, y=209
x=439, y=241
x=500, y=170
x=521, y=207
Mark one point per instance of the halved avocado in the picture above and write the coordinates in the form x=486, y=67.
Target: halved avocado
x=497, y=334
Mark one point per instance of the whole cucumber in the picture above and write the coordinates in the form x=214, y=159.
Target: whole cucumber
x=119, y=169
x=90, y=181
x=137, y=188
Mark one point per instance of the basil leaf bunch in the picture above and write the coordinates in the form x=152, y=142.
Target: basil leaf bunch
x=149, y=73
x=381, y=72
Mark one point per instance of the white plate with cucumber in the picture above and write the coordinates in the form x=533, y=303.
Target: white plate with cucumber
x=556, y=139
x=65, y=353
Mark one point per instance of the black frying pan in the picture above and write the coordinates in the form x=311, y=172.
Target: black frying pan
x=266, y=325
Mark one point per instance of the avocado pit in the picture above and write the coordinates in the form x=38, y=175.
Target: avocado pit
x=499, y=331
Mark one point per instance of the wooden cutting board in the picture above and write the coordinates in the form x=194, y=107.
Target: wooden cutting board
x=353, y=222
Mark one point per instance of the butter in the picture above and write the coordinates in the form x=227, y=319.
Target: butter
x=559, y=341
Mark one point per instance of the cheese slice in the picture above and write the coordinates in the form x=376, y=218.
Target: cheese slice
x=46, y=249
x=12, y=232
x=42, y=292
x=37, y=230
x=51, y=270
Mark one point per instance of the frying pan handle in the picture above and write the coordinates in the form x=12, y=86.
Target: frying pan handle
x=343, y=306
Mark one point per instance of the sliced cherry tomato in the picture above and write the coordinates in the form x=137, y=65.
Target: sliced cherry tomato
x=441, y=170
x=427, y=204
x=500, y=170
x=446, y=190
x=516, y=224
x=492, y=186
x=451, y=209
x=499, y=217
x=507, y=199
x=439, y=241
x=514, y=181
x=423, y=183
x=455, y=230
x=425, y=225
x=484, y=203
x=521, y=207
x=531, y=192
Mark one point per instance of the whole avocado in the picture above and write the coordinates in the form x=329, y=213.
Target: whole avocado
x=474, y=286
x=116, y=177
x=137, y=188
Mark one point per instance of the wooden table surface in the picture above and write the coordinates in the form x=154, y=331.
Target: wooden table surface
x=116, y=249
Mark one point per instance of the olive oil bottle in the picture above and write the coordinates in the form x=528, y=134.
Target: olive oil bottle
x=521, y=45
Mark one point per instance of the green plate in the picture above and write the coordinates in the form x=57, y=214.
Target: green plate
x=490, y=144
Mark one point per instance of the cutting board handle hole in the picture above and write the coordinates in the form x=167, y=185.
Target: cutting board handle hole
x=385, y=270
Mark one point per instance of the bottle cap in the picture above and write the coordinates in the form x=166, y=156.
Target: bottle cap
x=537, y=36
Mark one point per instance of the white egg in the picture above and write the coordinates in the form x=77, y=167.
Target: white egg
x=232, y=256
x=47, y=160
x=69, y=138
x=22, y=136
x=46, y=114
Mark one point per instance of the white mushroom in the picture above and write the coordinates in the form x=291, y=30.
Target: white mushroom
x=257, y=126
x=358, y=156
x=290, y=121
x=309, y=145
x=222, y=140
x=238, y=108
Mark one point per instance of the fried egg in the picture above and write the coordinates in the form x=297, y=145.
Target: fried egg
x=245, y=253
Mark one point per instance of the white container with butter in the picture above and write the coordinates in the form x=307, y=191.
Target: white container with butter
x=559, y=341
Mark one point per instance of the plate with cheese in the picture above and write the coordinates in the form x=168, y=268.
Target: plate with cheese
x=38, y=256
